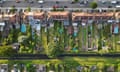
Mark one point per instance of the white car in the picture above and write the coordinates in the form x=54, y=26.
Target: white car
x=40, y=1
x=103, y=2
x=114, y=2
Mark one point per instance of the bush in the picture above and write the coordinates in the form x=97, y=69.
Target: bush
x=93, y=5
x=7, y=51
x=28, y=9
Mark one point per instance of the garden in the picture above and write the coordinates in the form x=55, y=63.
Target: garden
x=59, y=39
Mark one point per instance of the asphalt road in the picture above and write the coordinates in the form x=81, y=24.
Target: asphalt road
x=51, y=3
x=47, y=4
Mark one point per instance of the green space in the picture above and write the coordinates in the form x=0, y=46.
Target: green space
x=59, y=39
x=69, y=64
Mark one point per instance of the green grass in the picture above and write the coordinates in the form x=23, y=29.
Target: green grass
x=80, y=60
x=3, y=61
x=70, y=63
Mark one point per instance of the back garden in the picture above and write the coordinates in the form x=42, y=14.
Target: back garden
x=59, y=39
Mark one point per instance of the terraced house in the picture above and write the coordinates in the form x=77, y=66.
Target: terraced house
x=9, y=17
x=59, y=16
x=36, y=19
x=90, y=17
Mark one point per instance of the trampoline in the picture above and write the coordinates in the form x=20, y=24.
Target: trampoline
x=60, y=31
x=75, y=49
x=75, y=34
x=23, y=28
x=116, y=29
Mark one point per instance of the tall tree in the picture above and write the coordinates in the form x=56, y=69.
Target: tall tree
x=93, y=5
x=7, y=51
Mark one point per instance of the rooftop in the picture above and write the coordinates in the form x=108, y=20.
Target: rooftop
x=33, y=13
x=92, y=14
x=7, y=15
x=117, y=15
x=103, y=14
x=58, y=13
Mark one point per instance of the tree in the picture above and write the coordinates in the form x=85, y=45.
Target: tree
x=76, y=0
x=0, y=36
x=12, y=10
x=99, y=44
x=28, y=9
x=13, y=36
x=7, y=51
x=55, y=49
x=93, y=5
x=30, y=67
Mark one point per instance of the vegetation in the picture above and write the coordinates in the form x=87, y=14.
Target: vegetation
x=30, y=67
x=58, y=9
x=93, y=5
x=59, y=39
x=68, y=64
x=13, y=9
x=7, y=51
x=28, y=9
x=75, y=0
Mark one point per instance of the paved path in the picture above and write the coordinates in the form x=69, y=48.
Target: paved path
x=43, y=56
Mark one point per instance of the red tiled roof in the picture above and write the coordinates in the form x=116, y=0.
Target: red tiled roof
x=58, y=13
x=83, y=14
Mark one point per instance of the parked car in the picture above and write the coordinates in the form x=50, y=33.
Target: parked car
x=55, y=6
x=72, y=2
x=41, y=6
x=31, y=1
x=57, y=2
x=65, y=6
x=83, y=2
x=109, y=6
x=17, y=1
x=103, y=2
x=40, y=1
x=114, y=2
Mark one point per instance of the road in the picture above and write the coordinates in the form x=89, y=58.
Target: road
x=51, y=3
x=43, y=56
x=47, y=4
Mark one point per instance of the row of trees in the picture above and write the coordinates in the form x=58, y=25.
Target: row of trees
x=53, y=47
x=7, y=51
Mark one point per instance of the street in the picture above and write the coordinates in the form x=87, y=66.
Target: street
x=47, y=4
x=51, y=3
